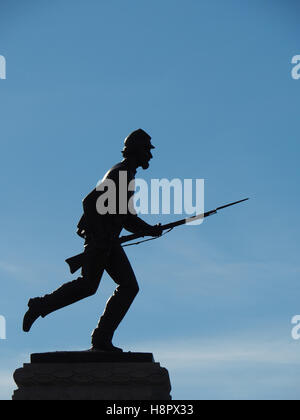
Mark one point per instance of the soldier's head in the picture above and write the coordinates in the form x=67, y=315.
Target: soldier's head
x=138, y=146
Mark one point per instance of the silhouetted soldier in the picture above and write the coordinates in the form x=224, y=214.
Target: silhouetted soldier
x=103, y=252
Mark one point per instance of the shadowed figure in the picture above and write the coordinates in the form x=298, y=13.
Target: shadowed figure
x=102, y=251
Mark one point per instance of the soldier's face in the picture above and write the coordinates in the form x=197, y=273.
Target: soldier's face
x=145, y=157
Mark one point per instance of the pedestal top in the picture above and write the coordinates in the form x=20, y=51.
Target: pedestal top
x=91, y=357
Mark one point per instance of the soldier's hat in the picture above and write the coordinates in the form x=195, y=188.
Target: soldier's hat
x=138, y=140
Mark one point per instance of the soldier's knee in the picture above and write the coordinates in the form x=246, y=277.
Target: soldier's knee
x=131, y=290
x=134, y=289
x=137, y=289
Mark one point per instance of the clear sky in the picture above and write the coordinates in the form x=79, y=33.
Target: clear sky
x=211, y=82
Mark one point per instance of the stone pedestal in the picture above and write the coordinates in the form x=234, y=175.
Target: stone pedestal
x=92, y=376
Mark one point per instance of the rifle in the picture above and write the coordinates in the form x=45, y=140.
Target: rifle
x=171, y=226
x=76, y=262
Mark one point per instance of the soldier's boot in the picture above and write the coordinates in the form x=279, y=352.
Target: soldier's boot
x=33, y=313
x=66, y=295
x=102, y=341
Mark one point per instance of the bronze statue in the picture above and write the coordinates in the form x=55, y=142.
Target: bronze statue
x=103, y=251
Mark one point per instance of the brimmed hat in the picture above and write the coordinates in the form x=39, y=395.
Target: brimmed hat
x=138, y=140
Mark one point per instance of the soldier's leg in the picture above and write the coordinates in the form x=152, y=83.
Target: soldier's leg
x=120, y=270
x=71, y=292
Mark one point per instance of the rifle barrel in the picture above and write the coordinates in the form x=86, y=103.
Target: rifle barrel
x=172, y=225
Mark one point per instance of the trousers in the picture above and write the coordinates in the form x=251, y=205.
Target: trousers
x=114, y=261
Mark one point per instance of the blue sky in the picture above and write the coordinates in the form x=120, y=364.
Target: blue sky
x=211, y=82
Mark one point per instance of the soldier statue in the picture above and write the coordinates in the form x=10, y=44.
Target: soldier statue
x=103, y=251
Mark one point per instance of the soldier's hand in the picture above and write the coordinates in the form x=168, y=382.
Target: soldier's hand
x=156, y=230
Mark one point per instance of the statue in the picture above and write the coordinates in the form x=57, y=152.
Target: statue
x=102, y=250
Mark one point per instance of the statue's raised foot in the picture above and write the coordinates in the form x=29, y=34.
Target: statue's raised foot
x=33, y=313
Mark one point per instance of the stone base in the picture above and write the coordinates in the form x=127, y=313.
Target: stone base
x=92, y=376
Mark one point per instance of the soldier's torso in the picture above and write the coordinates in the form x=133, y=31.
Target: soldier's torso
x=107, y=225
